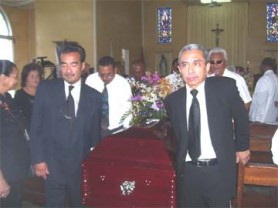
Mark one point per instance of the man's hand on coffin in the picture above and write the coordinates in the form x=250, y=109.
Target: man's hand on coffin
x=243, y=156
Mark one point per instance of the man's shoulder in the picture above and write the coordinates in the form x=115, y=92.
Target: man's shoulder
x=220, y=85
x=269, y=75
x=94, y=81
x=93, y=76
x=263, y=80
x=51, y=83
x=232, y=75
x=176, y=95
x=90, y=90
x=119, y=80
x=222, y=80
x=20, y=92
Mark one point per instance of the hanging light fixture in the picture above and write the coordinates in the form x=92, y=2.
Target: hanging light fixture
x=214, y=1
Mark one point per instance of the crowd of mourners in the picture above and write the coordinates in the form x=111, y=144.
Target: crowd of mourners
x=50, y=126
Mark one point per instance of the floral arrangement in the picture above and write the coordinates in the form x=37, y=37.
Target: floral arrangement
x=249, y=79
x=148, y=99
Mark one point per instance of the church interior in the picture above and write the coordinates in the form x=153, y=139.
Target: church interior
x=128, y=30
x=117, y=27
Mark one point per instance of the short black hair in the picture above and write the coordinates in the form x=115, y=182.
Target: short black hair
x=26, y=71
x=195, y=46
x=106, y=61
x=268, y=61
x=6, y=67
x=70, y=46
x=175, y=61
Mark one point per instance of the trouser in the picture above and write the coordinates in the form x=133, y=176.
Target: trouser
x=202, y=187
x=68, y=191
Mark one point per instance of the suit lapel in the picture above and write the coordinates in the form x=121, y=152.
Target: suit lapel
x=82, y=106
x=211, y=104
x=61, y=95
x=182, y=103
x=183, y=139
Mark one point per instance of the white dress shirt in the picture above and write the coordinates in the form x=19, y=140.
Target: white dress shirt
x=119, y=95
x=263, y=107
x=274, y=148
x=207, y=150
x=241, y=85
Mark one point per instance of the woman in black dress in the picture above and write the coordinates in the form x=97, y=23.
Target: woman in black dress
x=14, y=153
x=24, y=97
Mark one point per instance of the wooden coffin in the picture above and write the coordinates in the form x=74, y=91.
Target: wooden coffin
x=129, y=169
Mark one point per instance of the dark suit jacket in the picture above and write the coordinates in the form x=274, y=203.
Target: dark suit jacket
x=14, y=152
x=52, y=139
x=223, y=106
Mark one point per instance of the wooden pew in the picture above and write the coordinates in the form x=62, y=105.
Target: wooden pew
x=260, y=170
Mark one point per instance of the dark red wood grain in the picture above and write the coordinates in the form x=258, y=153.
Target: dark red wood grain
x=135, y=155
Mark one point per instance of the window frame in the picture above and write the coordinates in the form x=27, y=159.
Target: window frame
x=10, y=33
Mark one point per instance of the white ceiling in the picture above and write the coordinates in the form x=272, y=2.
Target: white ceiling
x=30, y=3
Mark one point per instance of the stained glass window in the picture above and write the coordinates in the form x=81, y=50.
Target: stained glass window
x=272, y=22
x=6, y=39
x=164, y=25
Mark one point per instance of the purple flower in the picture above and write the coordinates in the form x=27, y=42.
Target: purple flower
x=159, y=104
x=155, y=78
x=136, y=98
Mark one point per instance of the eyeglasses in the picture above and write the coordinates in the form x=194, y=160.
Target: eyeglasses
x=106, y=76
x=216, y=61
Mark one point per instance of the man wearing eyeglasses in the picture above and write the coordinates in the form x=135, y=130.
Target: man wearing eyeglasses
x=116, y=93
x=218, y=63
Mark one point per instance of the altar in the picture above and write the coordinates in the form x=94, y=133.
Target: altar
x=129, y=169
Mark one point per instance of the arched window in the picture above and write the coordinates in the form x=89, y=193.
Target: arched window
x=6, y=38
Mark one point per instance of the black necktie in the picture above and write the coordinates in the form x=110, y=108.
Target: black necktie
x=194, y=146
x=70, y=104
x=105, y=109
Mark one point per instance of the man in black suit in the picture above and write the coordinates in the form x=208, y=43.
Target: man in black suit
x=206, y=177
x=65, y=126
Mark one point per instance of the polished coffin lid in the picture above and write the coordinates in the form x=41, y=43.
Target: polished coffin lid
x=129, y=169
x=135, y=145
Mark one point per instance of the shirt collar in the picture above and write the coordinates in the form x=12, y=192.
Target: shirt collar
x=199, y=88
x=76, y=84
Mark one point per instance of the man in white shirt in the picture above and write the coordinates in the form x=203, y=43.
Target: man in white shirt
x=263, y=108
x=218, y=63
x=274, y=148
x=119, y=94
